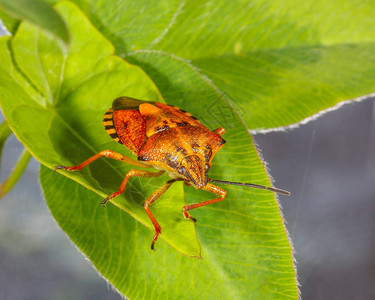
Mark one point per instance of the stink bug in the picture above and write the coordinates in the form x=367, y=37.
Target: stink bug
x=168, y=139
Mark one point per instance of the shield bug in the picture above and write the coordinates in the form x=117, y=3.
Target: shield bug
x=169, y=139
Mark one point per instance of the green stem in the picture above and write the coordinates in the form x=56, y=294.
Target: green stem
x=17, y=172
x=5, y=131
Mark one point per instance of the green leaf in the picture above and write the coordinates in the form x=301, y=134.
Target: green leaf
x=56, y=105
x=274, y=88
x=246, y=253
x=280, y=61
x=39, y=13
x=132, y=25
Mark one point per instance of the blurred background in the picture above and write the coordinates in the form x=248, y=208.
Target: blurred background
x=327, y=164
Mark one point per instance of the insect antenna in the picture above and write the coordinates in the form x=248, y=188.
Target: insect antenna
x=252, y=185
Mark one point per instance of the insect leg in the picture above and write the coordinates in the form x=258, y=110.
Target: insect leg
x=106, y=153
x=160, y=191
x=209, y=188
x=131, y=173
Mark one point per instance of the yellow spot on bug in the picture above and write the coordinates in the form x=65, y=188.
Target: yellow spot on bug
x=108, y=123
x=111, y=131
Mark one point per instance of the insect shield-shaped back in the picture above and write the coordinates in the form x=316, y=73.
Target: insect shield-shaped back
x=164, y=136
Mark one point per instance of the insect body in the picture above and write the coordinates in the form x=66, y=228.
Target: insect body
x=166, y=138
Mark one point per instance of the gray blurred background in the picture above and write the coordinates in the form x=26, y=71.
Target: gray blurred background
x=327, y=164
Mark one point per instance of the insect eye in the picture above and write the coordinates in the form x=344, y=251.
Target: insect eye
x=182, y=170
